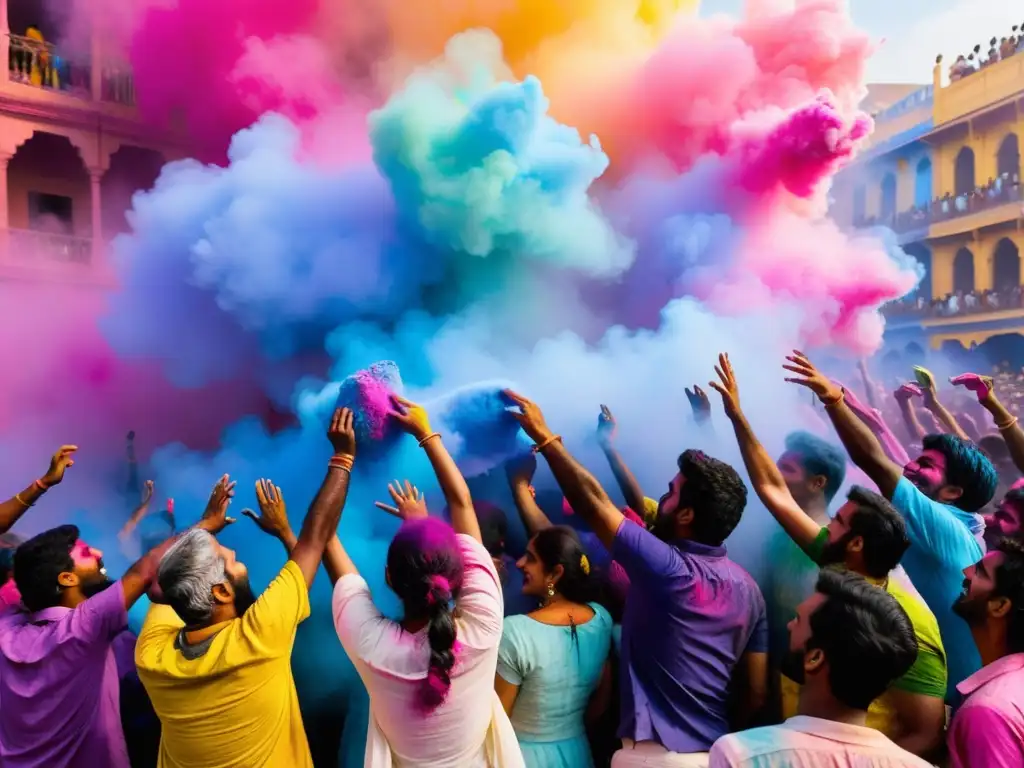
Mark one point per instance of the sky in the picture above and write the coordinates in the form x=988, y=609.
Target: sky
x=912, y=32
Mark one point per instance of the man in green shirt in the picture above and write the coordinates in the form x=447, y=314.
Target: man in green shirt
x=867, y=536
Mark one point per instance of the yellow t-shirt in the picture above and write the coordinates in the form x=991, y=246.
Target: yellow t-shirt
x=235, y=705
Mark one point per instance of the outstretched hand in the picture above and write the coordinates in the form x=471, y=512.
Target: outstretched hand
x=606, y=427
x=520, y=469
x=273, y=517
x=342, y=432
x=409, y=502
x=529, y=417
x=906, y=392
x=61, y=460
x=981, y=386
x=215, y=517
x=726, y=386
x=411, y=416
x=699, y=403
x=810, y=377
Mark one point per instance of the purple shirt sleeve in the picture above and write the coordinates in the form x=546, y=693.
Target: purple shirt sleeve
x=101, y=617
x=645, y=558
x=981, y=736
x=758, y=642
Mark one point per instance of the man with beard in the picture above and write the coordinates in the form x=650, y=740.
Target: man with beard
x=988, y=729
x=1007, y=521
x=215, y=660
x=938, y=494
x=868, y=537
x=694, y=629
x=847, y=644
x=58, y=673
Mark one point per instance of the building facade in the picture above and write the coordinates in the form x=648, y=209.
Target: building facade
x=942, y=171
x=73, y=149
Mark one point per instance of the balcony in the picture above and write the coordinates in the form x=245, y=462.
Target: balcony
x=949, y=215
x=30, y=247
x=990, y=86
x=41, y=67
x=967, y=306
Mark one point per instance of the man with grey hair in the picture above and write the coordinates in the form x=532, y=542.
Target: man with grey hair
x=216, y=660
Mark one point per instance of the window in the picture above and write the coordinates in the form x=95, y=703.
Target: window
x=50, y=213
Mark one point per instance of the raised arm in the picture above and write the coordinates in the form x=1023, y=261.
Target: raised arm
x=631, y=491
x=1007, y=424
x=870, y=388
x=863, y=447
x=321, y=521
x=16, y=506
x=904, y=400
x=874, y=421
x=413, y=419
x=931, y=401
x=585, y=494
x=520, y=477
x=140, y=511
x=767, y=480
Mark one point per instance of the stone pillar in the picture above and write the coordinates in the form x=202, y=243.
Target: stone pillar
x=95, y=177
x=95, y=66
x=5, y=48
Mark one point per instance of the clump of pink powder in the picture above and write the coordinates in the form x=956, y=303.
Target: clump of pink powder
x=368, y=393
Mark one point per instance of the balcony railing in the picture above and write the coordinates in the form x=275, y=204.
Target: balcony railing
x=947, y=208
x=960, y=305
x=33, y=62
x=34, y=247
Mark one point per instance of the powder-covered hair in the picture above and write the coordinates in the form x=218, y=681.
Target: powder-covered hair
x=425, y=570
x=819, y=457
x=187, y=574
x=966, y=468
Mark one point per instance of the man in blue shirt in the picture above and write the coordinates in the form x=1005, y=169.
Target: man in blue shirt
x=938, y=494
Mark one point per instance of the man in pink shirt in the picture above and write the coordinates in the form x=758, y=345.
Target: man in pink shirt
x=849, y=641
x=988, y=729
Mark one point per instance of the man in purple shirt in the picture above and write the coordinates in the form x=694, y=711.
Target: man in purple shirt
x=695, y=630
x=58, y=674
x=988, y=729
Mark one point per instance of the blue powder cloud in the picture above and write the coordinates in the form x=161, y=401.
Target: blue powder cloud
x=472, y=180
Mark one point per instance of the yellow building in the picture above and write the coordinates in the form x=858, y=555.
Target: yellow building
x=942, y=170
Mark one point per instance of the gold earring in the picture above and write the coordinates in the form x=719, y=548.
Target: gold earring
x=551, y=590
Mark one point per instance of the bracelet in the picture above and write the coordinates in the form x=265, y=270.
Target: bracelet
x=42, y=486
x=341, y=461
x=541, y=446
x=25, y=504
x=1007, y=425
x=429, y=437
x=835, y=401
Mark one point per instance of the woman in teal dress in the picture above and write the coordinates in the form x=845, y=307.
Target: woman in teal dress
x=553, y=672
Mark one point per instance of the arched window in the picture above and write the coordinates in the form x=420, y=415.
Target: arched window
x=922, y=256
x=963, y=271
x=1008, y=156
x=964, y=172
x=1005, y=265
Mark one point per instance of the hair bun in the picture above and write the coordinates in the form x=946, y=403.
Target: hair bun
x=439, y=589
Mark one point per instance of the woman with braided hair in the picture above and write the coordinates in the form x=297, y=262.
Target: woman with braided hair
x=553, y=670
x=430, y=675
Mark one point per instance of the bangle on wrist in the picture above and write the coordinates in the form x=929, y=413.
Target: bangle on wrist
x=1007, y=425
x=541, y=446
x=832, y=402
x=41, y=485
x=428, y=438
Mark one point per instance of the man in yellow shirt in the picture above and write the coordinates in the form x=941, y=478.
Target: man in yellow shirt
x=215, y=661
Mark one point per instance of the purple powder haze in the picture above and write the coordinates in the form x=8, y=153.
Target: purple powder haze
x=368, y=393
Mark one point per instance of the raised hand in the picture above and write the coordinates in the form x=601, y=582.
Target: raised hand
x=726, y=386
x=529, y=417
x=411, y=417
x=273, y=517
x=409, y=502
x=342, y=433
x=906, y=392
x=810, y=377
x=699, y=402
x=521, y=469
x=981, y=386
x=61, y=460
x=215, y=517
x=606, y=428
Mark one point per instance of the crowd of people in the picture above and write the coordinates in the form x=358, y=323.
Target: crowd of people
x=958, y=303
x=999, y=48
x=888, y=631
